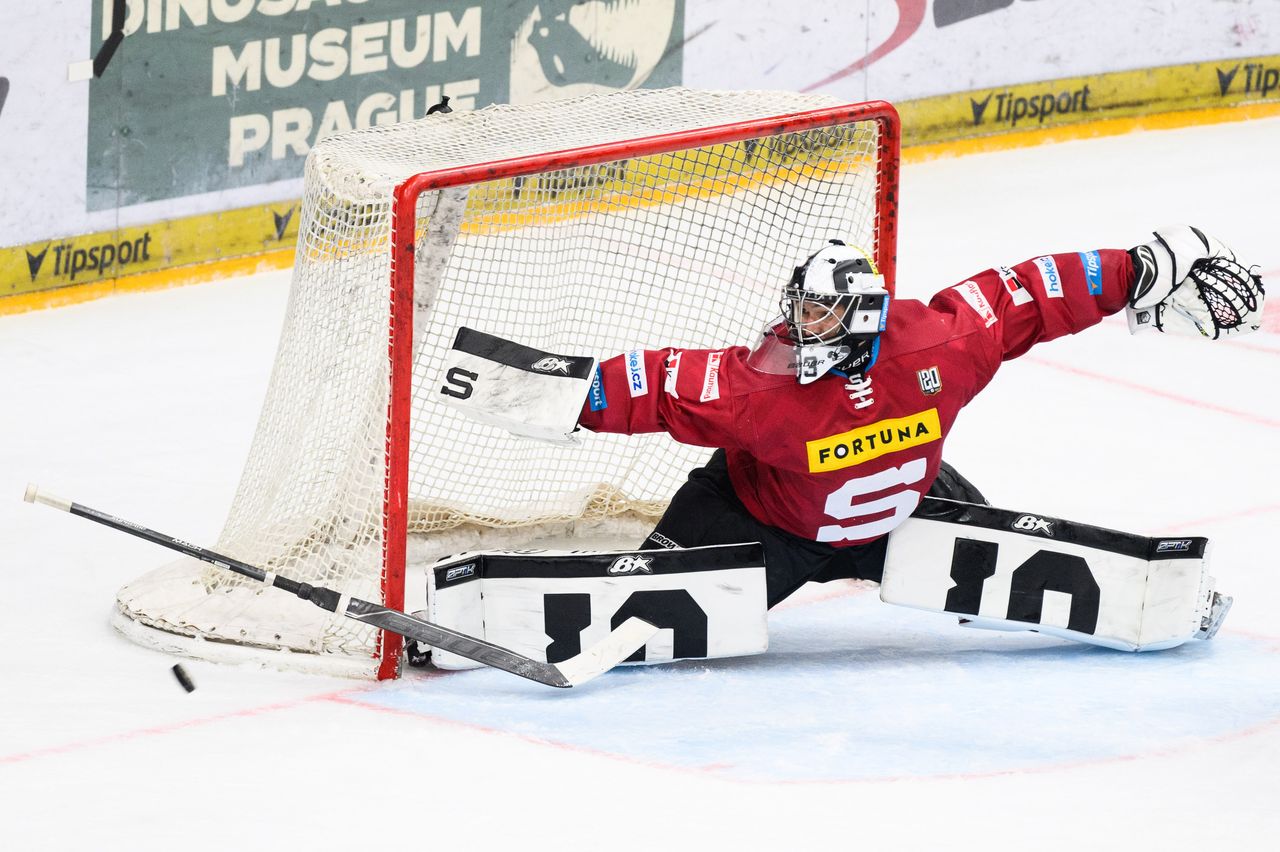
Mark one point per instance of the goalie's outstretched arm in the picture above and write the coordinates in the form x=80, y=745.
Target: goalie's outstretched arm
x=698, y=396
x=1011, y=309
x=1184, y=282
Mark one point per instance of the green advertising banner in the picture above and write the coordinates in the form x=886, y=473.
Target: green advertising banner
x=205, y=95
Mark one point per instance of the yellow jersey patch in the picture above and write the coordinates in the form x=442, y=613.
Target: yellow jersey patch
x=872, y=442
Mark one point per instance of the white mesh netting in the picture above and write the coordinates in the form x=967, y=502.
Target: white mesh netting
x=686, y=248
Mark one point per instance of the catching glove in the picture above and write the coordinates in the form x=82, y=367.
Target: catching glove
x=1187, y=282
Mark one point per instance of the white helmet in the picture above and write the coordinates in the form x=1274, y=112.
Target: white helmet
x=835, y=307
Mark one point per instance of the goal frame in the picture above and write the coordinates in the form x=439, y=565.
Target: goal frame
x=404, y=225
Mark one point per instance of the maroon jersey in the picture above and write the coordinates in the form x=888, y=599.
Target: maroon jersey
x=845, y=461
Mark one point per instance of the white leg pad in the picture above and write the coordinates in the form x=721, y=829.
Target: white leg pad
x=549, y=605
x=1007, y=570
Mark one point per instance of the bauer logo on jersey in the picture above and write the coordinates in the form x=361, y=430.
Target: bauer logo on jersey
x=1014, y=287
x=871, y=442
x=636, y=379
x=550, y=364
x=673, y=374
x=930, y=381
x=1092, y=262
x=631, y=565
x=711, y=381
x=1049, y=276
x=973, y=295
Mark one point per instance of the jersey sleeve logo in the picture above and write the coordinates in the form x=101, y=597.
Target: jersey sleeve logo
x=856, y=446
x=636, y=379
x=673, y=374
x=1092, y=262
x=711, y=381
x=972, y=294
x=1049, y=276
x=595, y=394
x=1013, y=286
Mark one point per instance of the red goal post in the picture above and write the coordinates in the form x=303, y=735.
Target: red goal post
x=402, y=271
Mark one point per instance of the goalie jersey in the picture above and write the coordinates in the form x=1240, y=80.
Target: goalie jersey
x=846, y=459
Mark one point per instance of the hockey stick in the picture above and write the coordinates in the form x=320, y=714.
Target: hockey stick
x=598, y=659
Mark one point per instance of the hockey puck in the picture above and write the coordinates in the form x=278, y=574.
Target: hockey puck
x=183, y=678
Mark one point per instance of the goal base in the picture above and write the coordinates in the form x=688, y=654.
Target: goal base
x=277, y=638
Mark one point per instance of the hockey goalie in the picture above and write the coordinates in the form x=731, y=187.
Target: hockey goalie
x=828, y=437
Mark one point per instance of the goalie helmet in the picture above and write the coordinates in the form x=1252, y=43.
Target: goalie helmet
x=834, y=309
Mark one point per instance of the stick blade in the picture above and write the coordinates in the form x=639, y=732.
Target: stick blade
x=608, y=652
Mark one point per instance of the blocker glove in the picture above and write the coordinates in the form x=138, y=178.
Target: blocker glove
x=1187, y=282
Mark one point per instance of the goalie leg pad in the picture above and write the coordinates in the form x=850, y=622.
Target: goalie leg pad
x=1016, y=571
x=549, y=605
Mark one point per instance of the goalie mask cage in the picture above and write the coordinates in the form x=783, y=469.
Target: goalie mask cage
x=589, y=226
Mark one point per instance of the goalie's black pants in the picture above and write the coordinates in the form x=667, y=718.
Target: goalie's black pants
x=705, y=510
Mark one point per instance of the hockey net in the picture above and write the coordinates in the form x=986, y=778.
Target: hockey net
x=589, y=226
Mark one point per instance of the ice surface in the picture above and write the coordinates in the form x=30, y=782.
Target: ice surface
x=866, y=726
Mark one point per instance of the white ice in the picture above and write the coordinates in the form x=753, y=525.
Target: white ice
x=865, y=726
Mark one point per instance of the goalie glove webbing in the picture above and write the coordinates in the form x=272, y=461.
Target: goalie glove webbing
x=1218, y=297
x=1232, y=297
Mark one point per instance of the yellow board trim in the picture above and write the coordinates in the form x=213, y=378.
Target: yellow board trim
x=164, y=279
x=67, y=270
x=1088, y=130
x=1089, y=99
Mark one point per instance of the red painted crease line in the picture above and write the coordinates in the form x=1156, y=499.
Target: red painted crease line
x=1150, y=391
x=1223, y=516
x=173, y=727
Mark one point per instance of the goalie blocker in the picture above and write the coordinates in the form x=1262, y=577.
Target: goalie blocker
x=525, y=391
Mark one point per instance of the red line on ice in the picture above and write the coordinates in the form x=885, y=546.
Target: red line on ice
x=1150, y=391
x=170, y=728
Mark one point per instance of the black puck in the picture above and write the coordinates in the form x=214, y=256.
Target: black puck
x=183, y=678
